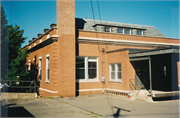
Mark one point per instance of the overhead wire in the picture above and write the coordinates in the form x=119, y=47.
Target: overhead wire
x=99, y=48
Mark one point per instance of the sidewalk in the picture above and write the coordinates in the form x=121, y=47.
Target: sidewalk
x=104, y=105
x=110, y=105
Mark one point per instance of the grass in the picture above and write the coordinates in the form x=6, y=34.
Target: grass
x=94, y=113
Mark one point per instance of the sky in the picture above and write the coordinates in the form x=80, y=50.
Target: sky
x=34, y=16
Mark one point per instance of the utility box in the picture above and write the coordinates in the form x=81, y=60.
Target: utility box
x=103, y=79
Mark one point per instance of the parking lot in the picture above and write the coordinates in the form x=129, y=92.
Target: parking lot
x=104, y=105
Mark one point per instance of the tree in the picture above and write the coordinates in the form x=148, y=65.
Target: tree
x=12, y=54
x=17, y=56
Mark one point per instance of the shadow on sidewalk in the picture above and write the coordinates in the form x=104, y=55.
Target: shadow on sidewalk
x=18, y=112
x=117, y=114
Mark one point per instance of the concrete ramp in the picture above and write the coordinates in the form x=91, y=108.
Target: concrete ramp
x=18, y=96
x=145, y=95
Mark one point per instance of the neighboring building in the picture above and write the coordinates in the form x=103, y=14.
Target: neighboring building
x=82, y=56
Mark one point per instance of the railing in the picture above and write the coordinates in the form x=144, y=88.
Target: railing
x=132, y=86
x=18, y=86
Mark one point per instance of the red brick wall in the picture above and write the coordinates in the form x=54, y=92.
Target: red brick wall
x=66, y=47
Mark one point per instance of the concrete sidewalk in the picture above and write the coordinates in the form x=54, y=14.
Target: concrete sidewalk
x=110, y=105
x=104, y=105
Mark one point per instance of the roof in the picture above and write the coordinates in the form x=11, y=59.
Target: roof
x=90, y=25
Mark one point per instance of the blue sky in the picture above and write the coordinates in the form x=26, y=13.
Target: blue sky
x=35, y=16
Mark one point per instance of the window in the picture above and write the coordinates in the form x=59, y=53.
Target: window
x=115, y=72
x=47, y=68
x=40, y=68
x=40, y=40
x=140, y=32
x=29, y=46
x=128, y=31
x=29, y=65
x=86, y=68
x=107, y=29
x=34, y=43
x=121, y=30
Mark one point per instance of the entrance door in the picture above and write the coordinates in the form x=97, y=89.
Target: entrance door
x=142, y=75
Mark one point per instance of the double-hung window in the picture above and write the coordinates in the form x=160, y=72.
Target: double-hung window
x=40, y=68
x=140, y=32
x=115, y=72
x=107, y=29
x=121, y=30
x=47, y=68
x=128, y=31
x=87, y=68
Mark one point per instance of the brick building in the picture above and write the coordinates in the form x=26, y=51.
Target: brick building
x=82, y=56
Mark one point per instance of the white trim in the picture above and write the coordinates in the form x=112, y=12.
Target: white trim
x=126, y=41
x=100, y=89
x=40, y=40
x=47, y=36
x=40, y=57
x=29, y=63
x=48, y=90
x=47, y=67
x=34, y=43
x=47, y=55
x=89, y=80
x=34, y=59
x=90, y=89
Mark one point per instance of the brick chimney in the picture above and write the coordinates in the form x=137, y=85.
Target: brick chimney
x=66, y=47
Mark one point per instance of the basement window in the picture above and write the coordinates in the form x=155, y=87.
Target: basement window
x=86, y=69
x=115, y=72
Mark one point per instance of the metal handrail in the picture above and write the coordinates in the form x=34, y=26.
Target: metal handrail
x=19, y=84
x=131, y=85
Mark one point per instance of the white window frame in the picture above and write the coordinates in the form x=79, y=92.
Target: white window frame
x=40, y=40
x=29, y=65
x=29, y=46
x=116, y=72
x=47, y=67
x=47, y=36
x=40, y=69
x=34, y=43
x=86, y=60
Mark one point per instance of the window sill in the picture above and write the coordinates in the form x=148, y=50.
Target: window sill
x=118, y=81
x=90, y=80
x=46, y=81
